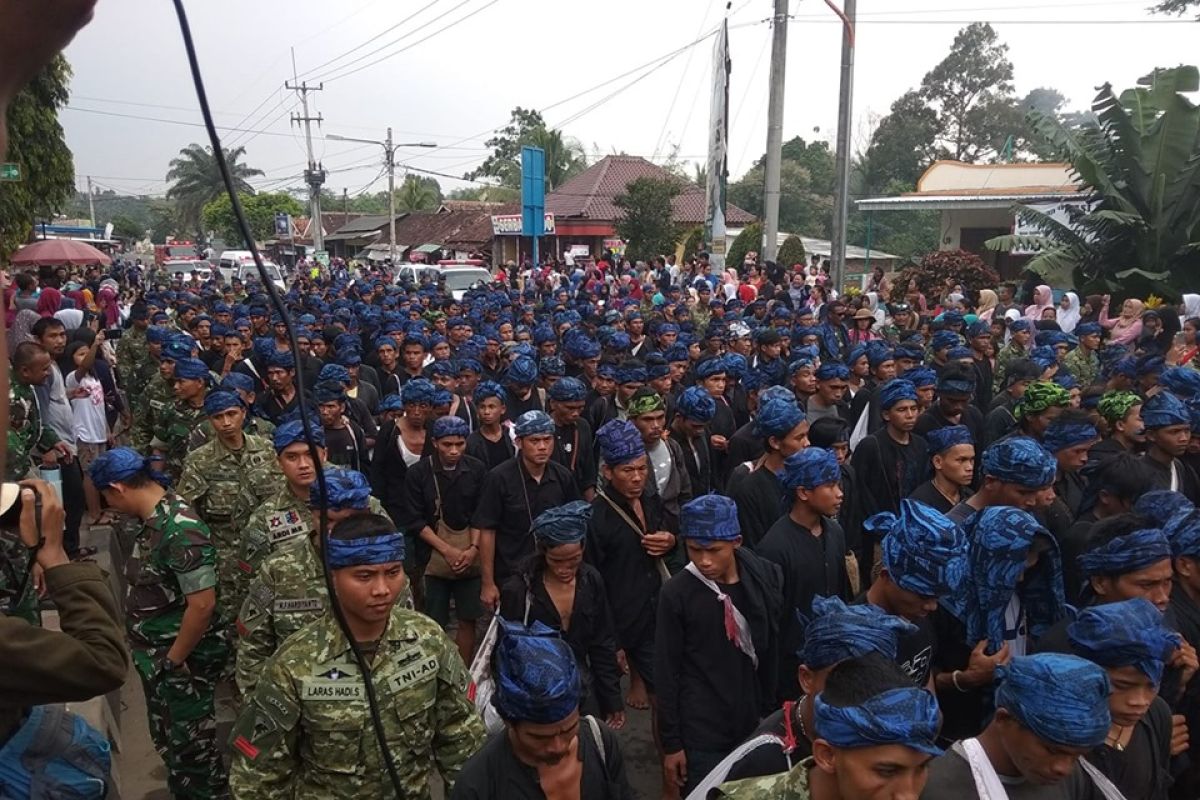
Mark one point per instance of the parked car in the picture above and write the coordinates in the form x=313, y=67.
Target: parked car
x=458, y=277
x=182, y=269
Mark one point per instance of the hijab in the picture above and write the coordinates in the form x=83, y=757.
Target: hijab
x=22, y=329
x=988, y=300
x=49, y=301
x=1043, y=298
x=1191, y=308
x=1068, y=317
x=111, y=311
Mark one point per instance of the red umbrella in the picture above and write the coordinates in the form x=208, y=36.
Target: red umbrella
x=55, y=252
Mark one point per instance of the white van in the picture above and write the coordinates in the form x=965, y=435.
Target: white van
x=240, y=264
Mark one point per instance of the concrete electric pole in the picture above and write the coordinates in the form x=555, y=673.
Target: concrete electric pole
x=91, y=203
x=314, y=176
x=774, y=132
x=841, y=187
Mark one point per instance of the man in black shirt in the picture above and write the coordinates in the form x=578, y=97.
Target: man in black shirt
x=1001, y=419
x=1017, y=472
x=281, y=394
x=1168, y=432
x=956, y=386
x=694, y=410
x=491, y=444
x=808, y=545
x=783, y=429
x=572, y=434
x=345, y=441
x=1122, y=412
x=513, y=494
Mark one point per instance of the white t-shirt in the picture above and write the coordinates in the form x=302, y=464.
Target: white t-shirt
x=90, y=426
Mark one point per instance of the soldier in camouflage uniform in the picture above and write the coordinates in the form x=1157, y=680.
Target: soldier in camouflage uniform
x=136, y=364
x=1083, y=362
x=288, y=589
x=1021, y=332
x=159, y=394
x=172, y=581
x=18, y=597
x=26, y=433
x=306, y=731
x=225, y=481
x=173, y=427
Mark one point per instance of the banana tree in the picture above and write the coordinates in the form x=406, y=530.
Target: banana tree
x=1139, y=162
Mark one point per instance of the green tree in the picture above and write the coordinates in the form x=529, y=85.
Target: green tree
x=260, y=210
x=196, y=181
x=1140, y=160
x=1175, y=6
x=801, y=209
x=791, y=252
x=565, y=157
x=646, y=223
x=749, y=240
x=37, y=144
x=693, y=241
x=486, y=194
x=418, y=193
x=126, y=227
x=903, y=144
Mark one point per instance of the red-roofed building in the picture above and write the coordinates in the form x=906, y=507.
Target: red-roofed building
x=584, y=213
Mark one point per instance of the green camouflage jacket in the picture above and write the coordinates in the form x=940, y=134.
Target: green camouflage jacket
x=1008, y=354
x=26, y=432
x=172, y=429
x=255, y=426
x=135, y=364
x=226, y=486
x=306, y=730
x=1084, y=366
x=790, y=785
x=16, y=564
x=158, y=397
x=172, y=557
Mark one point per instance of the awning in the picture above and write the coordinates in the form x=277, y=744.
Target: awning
x=427, y=248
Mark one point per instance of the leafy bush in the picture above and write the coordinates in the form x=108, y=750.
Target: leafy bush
x=936, y=267
x=749, y=240
x=693, y=242
x=791, y=253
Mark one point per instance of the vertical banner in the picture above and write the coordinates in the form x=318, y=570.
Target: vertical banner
x=718, y=149
x=533, y=196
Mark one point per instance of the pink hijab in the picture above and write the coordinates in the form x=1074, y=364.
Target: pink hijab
x=108, y=305
x=49, y=301
x=1043, y=298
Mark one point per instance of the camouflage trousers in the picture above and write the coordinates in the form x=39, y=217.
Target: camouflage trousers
x=183, y=718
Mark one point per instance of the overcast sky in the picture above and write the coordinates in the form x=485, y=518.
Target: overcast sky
x=450, y=71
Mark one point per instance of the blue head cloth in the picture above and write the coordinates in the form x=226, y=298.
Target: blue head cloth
x=676, y=353
x=1020, y=460
x=1000, y=540
x=565, y=524
x=548, y=367
x=608, y=371
x=487, y=389
x=920, y=377
x=329, y=392
x=895, y=391
x=1150, y=364
x=1067, y=381
x=191, y=369
x=567, y=390
x=707, y=367
x=522, y=371
x=369, y=550
x=121, y=464
x=1044, y=357
x=581, y=347
x=696, y=405
x=444, y=369
x=1163, y=410
x=418, y=391
x=631, y=373
x=836, y=632
x=736, y=365
x=810, y=468
x=979, y=328
x=1061, y=699
x=802, y=361
x=908, y=717
x=221, y=400
x=948, y=384
x=1161, y=505
x=923, y=551
x=442, y=397
x=1020, y=325
x=1183, y=532
x=451, y=425
x=238, y=381
x=943, y=339
x=284, y=360
x=832, y=371
x=879, y=352
x=347, y=489
x=178, y=347
x=1087, y=329
x=953, y=318
x=942, y=439
x=620, y=442
x=1063, y=434
x=777, y=416
x=391, y=402
x=289, y=433
x=710, y=518
x=157, y=335
x=1130, y=633
x=1128, y=553
x=857, y=352
x=958, y=353
x=534, y=423
x=537, y=679
x=909, y=351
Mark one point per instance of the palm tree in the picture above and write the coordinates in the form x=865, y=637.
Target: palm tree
x=196, y=180
x=418, y=194
x=565, y=157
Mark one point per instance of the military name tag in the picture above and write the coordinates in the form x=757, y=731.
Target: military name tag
x=334, y=690
x=417, y=672
x=299, y=604
x=288, y=525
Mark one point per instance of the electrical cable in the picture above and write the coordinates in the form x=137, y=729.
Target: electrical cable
x=304, y=411
x=359, y=47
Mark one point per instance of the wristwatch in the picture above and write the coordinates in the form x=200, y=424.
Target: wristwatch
x=167, y=665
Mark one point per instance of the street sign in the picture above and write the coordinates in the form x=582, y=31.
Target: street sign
x=283, y=224
x=321, y=257
x=533, y=194
x=10, y=171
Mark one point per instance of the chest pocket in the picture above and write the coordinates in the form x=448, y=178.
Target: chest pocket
x=413, y=692
x=336, y=718
x=221, y=501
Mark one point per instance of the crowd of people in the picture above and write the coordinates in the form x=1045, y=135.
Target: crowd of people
x=892, y=544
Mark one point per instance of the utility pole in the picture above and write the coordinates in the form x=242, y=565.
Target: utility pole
x=775, y=132
x=345, y=206
x=91, y=202
x=314, y=176
x=841, y=187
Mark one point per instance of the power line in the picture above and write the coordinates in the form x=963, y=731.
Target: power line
x=443, y=29
x=356, y=48
x=174, y=121
x=678, y=86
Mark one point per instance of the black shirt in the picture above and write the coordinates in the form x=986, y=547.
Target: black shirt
x=759, y=497
x=496, y=772
x=573, y=449
x=916, y=651
x=459, y=489
x=1142, y=770
x=697, y=457
x=928, y=494
x=511, y=499
x=493, y=454
x=889, y=471
x=347, y=447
